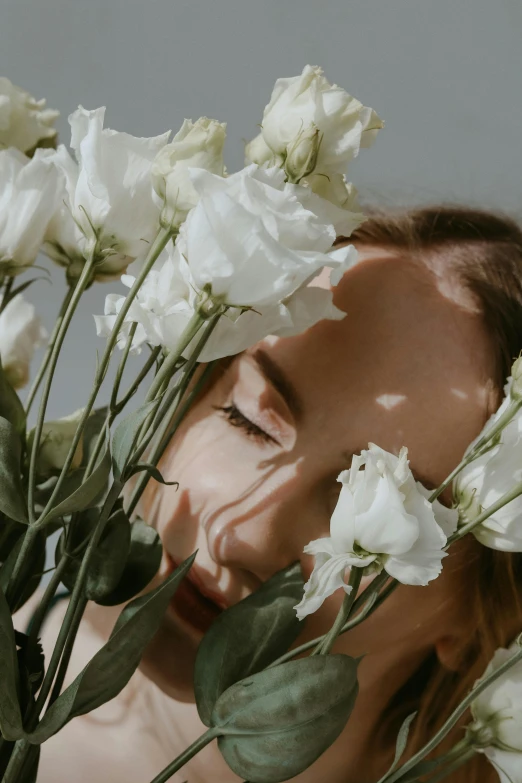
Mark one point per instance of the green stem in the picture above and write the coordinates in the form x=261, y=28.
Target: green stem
x=139, y=378
x=371, y=600
x=169, y=365
x=41, y=611
x=189, y=753
x=81, y=285
x=156, y=248
x=12, y=593
x=122, y=364
x=169, y=410
x=47, y=356
x=76, y=598
x=455, y=716
x=479, y=446
x=67, y=650
x=343, y=615
x=457, y=761
x=506, y=498
x=16, y=762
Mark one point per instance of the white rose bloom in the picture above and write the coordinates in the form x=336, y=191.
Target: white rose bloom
x=109, y=191
x=24, y=121
x=64, y=241
x=21, y=332
x=382, y=520
x=481, y=483
x=167, y=300
x=497, y=713
x=303, y=104
x=56, y=440
x=28, y=196
x=250, y=242
x=199, y=145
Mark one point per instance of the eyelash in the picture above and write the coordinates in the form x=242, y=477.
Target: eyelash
x=238, y=419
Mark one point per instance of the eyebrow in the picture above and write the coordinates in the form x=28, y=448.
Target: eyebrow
x=279, y=381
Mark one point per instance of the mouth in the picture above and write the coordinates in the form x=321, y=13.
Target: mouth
x=194, y=603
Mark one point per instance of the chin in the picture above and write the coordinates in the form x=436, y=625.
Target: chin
x=168, y=662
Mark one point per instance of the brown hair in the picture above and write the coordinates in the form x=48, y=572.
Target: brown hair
x=483, y=251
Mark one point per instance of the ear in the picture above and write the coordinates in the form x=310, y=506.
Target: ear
x=449, y=651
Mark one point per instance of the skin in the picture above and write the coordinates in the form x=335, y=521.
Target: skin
x=411, y=364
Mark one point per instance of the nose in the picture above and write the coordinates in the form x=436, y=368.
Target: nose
x=267, y=529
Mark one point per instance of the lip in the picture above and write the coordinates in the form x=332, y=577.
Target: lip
x=194, y=603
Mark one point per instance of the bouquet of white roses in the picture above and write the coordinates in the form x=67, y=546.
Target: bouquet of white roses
x=221, y=261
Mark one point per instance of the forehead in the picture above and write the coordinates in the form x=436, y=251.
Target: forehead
x=410, y=364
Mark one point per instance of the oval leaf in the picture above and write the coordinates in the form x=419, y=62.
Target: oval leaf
x=275, y=724
x=12, y=497
x=125, y=435
x=113, y=666
x=10, y=714
x=30, y=575
x=110, y=557
x=247, y=637
x=87, y=493
x=142, y=564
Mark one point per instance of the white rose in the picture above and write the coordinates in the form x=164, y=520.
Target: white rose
x=382, y=520
x=20, y=334
x=481, y=483
x=24, y=121
x=167, y=300
x=56, y=440
x=250, y=242
x=199, y=145
x=108, y=194
x=497, y=713
x=28, y=196
x=302, y=105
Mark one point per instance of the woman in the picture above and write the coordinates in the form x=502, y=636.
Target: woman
x=434, y=320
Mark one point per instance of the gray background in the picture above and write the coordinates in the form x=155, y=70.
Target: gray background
x=445, y=75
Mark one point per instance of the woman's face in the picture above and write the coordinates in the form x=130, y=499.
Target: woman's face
x=258, y=455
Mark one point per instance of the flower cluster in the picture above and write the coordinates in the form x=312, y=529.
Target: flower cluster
x=250, y=245
x=313, y=129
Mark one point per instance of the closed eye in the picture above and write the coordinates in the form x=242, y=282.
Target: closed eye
x=236, y=418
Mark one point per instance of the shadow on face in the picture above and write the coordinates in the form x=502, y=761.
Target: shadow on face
x=258, y=455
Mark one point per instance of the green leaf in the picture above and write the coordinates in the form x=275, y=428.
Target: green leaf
x=10, y=714
x=109, y=558
x=247, y=637
x=152, y=470
x=402, y=740
x=31, y=573
x=275, y=724
x=113, y=666
x=11, y=407
x=125, y=435
x=12, y=497
x=107, y=565
x=87, y=493
x=93, y=426
x=10, y=532
x=142, y=564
